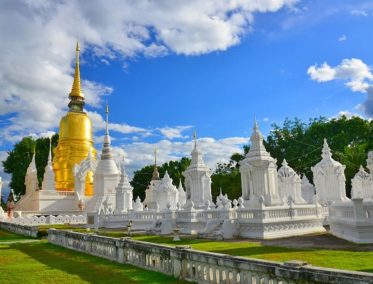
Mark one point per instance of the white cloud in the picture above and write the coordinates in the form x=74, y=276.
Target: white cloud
x=342, y=38
x=266, y=119
x=98, y=124
x=174, y=132
x=357, y=12
x=321, y=74
x=38, y=46
x=93, y=91
x=347, y=114
x=357, y=75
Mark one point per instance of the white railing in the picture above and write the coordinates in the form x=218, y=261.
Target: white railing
x=28, y=231
x=281, y=213
x=46, y=220
x=201, y=267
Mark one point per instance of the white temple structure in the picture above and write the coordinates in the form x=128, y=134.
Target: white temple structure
x=271, y=205
x=49, y=179
x=259, y=174
x=46, y=200
x=290, y=184
x=162, y=194
x=329, y=178
x=123, y=193
x=31, y=180
x=106, y=178
x=197, y=181
x=308, y=190
x=362, y=184
x=353, y=219
x=275, y=202
x=87, y=166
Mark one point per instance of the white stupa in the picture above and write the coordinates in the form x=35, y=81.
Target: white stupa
x=197, y=180
x=123, y=192
x=48, y=178
x=106, y=178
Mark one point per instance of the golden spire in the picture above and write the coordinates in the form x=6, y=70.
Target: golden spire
x=76, y=90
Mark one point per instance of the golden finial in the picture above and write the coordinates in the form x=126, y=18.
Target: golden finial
x=76, y=89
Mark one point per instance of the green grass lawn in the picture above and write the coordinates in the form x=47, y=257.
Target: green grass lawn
x=42, y=262
x=6, y=236
x=340, y=259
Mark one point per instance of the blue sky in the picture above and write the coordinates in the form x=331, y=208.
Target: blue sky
x=170, y=68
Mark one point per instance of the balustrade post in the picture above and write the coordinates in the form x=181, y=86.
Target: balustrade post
x=119, y=249
x=234, y=273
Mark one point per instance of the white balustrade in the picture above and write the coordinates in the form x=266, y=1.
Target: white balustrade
x=201, y=267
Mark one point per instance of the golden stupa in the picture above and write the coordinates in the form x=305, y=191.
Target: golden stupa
x=75, y=139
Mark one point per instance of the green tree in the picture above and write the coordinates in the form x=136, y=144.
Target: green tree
x=227, y=178
x=300, y=144
x=142, y=177
x=20, y=157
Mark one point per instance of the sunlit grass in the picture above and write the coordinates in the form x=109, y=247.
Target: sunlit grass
x=339, y=259
x=42, y=262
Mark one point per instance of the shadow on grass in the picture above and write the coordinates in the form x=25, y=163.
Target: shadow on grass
x=89, y=268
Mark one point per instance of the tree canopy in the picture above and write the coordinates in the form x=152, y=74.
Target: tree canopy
x=300, y=143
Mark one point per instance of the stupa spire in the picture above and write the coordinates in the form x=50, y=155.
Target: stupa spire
x=256, y=139
x=155, y=156
x=326, y=152
x=195, y=139
x=106, y=150
x=50, y=151
x=33, y=164
x=155, y=171
x=107, y=119
x=76, y=96
x=197, y=157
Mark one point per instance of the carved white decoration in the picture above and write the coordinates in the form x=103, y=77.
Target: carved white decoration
x=289, y=184
x=307, y=189
x=329, y=178
x=31, y=179
x=362, y=185
x=89, y=164
x=106, y=177
x=123, y=192
x=198, y=180
x=259, y=173
x=49, y=178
